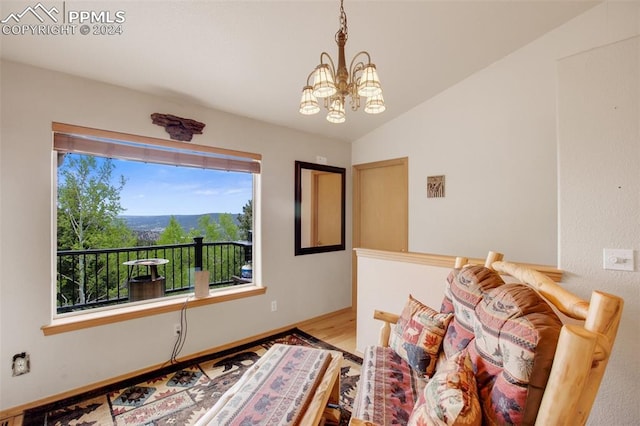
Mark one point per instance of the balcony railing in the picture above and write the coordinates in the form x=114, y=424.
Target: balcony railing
x=89, y=279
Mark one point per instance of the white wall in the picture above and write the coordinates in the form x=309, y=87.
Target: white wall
x=495, y=137
x=386, y=284
x=599, y=164
x=31, y=99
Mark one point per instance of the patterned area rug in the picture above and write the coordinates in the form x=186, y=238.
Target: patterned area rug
x=182, y=393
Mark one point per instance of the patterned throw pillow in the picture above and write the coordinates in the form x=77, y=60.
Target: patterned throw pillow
x=465, y=291
x=417, y=336
x=450, y=397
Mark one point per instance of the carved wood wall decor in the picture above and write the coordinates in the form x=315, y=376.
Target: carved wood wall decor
x=435, y=186
x=179, y=129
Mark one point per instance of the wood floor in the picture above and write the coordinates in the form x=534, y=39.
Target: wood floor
x=338, y=329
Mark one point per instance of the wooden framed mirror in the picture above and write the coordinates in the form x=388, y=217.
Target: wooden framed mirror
x=319, y=208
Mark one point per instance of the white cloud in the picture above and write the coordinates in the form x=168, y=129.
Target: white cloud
x=231, y=191
x=206, y=192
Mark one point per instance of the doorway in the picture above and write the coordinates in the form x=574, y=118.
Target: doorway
x=380, y=210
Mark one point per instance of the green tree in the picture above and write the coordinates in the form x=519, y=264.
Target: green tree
x=177, y=270
x=209, y=228
x=174, y=233
x=225, y=229
x=245, y=220
x=219, y=258
x=228, y=227
x=88, y=206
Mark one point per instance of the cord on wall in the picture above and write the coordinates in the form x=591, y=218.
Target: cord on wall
x=182, y=335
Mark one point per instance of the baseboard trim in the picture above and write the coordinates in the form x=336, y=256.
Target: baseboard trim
x=19, y=410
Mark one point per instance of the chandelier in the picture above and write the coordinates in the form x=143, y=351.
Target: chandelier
x=335, y=85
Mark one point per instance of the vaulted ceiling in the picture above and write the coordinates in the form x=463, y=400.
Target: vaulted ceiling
x=252, y=58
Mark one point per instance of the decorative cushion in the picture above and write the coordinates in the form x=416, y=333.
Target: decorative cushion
x=450, y=397
x=466, y=289
x=388, y=388
x=510, y=333
x=418, y=334
x=513, y=352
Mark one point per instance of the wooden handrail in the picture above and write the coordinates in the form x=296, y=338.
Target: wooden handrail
x=445, y=261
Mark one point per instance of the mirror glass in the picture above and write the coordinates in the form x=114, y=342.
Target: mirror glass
x=319, y=209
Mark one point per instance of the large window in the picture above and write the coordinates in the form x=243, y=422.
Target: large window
x=137, y=217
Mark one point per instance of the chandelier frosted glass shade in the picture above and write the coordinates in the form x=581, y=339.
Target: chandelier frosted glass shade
x=308, y=102
x=323, y=84
x=375, y=105
x=369, y=82
x=336, y=112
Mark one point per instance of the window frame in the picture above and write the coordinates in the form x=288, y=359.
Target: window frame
x=78, y=139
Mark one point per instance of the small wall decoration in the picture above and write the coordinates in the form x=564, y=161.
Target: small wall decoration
x=435, y=186
x=179, y=129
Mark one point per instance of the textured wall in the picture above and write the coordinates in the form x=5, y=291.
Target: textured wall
x=599, y=200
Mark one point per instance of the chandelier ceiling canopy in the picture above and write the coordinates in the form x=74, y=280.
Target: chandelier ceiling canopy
x=335, y=85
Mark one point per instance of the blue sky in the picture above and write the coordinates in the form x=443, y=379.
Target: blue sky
x=156, y=189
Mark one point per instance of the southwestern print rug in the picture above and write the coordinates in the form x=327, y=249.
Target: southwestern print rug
x=180, y=394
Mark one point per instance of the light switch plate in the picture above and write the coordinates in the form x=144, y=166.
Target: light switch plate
x=618, y=259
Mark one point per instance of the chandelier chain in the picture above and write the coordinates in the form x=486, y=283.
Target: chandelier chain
x=343, y=23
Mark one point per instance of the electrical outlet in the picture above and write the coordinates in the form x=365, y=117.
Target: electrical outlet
x=21, y=364
x=177, y=329
x=274, y=306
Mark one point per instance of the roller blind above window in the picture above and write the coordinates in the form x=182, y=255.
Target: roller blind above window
x=83, y=140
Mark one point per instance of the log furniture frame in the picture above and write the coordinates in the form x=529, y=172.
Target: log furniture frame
x=582, y=352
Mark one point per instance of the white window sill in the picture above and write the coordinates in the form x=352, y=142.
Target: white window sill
x=128, y=312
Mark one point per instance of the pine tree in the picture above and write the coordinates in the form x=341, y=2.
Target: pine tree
x=245, y=219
